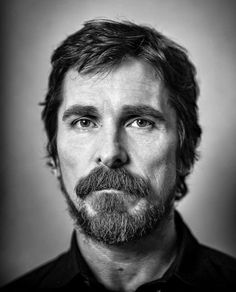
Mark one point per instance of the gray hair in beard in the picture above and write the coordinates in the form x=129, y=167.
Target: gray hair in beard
x=112, y=226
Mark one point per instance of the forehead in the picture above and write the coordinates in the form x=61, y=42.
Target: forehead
x=132, y=83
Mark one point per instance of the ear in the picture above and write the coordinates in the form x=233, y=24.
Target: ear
x=55, y=167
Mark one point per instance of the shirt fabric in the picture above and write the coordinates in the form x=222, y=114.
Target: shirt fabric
x=196, y=268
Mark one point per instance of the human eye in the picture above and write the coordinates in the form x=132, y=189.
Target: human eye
x=83, y=124
x=142, y=123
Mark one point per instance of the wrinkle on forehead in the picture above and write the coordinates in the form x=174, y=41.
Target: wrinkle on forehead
x=142, y=73
x=133, y=82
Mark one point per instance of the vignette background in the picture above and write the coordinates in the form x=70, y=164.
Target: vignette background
x=35, y=226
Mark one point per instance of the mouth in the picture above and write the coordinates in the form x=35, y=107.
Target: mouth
x=109, y=191
x=126, y=199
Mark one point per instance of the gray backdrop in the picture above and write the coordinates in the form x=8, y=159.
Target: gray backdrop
x=34, y=222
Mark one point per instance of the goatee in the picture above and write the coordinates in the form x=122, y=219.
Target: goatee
x=101, y=211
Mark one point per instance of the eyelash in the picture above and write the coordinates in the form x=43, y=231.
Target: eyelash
x=75, y=122
x=150, y=125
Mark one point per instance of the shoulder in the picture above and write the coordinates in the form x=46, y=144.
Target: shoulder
x=212, y=268
x=50, y=272
x=201, y=265
x=222, y=265
x=59, y=272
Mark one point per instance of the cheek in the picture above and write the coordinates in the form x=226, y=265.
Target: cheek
x=72, y=158
x=162, y=166
x=73, y=149
x=67, y=153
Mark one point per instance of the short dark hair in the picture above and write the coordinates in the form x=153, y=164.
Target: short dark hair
x=102, y=45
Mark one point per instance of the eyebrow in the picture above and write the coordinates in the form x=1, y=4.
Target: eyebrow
x=80, y=110
x=142, y=110
x=127, y=111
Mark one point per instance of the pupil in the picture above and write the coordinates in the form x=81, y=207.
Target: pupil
x=85, y=122
x=141, y=122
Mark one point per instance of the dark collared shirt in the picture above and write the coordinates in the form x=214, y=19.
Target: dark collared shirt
x=196, y=268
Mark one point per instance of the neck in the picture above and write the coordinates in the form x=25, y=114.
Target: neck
x=126, y=267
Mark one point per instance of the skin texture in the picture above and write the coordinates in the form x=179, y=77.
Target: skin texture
x=144, y=145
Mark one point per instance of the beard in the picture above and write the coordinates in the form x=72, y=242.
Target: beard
x=102, y=209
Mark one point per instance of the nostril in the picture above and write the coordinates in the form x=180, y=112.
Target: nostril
x=117, y=163
x=111, y=163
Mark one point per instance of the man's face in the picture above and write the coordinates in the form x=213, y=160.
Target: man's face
x=119, y=123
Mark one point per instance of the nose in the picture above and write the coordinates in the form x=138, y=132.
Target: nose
x=111, y=152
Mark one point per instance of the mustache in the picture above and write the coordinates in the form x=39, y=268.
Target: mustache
x=120, y=179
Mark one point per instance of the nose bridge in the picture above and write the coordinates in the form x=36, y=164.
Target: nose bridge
x=111, y=136
x=111, y=149
x=111, y=139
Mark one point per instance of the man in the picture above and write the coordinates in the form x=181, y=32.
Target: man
x=122, y=125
